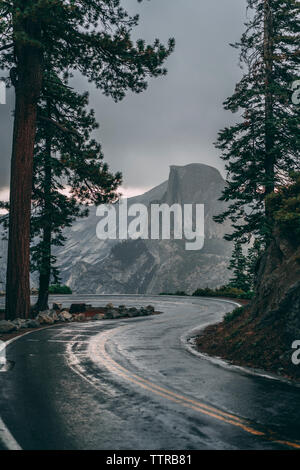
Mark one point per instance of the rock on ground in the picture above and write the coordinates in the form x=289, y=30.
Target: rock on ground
x=7, y=326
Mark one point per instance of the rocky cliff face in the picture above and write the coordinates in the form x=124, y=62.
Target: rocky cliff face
x=90, y=265
x=152, y=266
x=278, y=294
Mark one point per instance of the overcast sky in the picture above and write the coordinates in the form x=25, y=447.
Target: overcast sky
x=177, y=119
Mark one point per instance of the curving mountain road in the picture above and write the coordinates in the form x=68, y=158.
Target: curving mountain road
x=131, y=384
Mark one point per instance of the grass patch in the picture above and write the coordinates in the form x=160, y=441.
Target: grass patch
x=237, y=312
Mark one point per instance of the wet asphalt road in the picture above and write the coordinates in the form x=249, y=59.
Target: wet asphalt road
x=131, y=384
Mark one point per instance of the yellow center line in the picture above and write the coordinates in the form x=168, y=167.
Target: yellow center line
x=97, y=349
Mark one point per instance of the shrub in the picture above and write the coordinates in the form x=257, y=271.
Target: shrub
x=247, y=295
x=224, y=291
x=237, y=312
x=58, y=289
x=228, y=291
x=204, y=292
x=179, y=293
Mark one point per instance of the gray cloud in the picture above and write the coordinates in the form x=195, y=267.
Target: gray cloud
x=177, y=119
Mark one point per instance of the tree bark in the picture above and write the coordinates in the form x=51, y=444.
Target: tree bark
x=44, y=281
x=27, y=88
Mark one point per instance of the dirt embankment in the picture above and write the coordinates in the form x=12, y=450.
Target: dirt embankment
x=261, y=334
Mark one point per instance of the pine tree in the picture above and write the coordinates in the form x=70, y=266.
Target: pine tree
x=21, y=35
x=263, y=146
x=285, y=205
x=65, y=157
x=238, y=265
x=254, y=255
x=91, y=37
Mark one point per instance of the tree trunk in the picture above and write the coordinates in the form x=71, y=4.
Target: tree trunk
x=28, y=87
x=42, y=302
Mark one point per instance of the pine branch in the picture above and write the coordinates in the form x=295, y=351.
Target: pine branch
x=66, y=130
x=6, y=46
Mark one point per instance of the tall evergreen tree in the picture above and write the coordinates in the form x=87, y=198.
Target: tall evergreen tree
x=65, y=157
x=263, y=146
x=92, y=37
x=253, y=257
x=238, y=265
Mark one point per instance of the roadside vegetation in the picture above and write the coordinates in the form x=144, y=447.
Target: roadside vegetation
x=224, y=291
x=59, y=289
x=179, y=293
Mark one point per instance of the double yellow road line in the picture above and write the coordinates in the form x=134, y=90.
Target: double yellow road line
x=97, y=352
